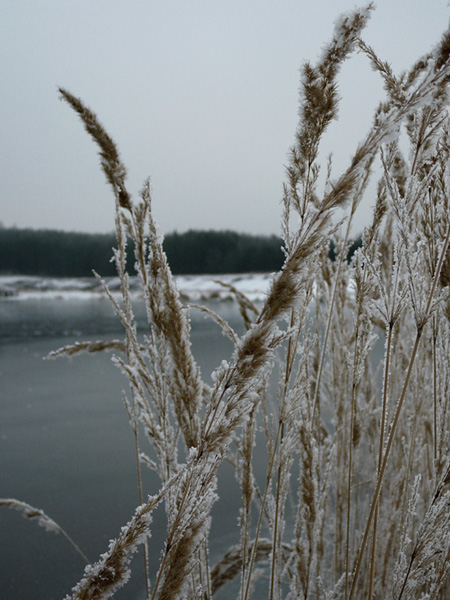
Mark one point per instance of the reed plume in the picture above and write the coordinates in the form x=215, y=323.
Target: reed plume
x=341, y=377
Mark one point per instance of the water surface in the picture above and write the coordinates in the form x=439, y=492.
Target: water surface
x=67, y=448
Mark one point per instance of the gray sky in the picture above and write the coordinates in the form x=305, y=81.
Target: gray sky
x=201, y=95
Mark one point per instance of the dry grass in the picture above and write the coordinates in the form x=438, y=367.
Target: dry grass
x=355, y=498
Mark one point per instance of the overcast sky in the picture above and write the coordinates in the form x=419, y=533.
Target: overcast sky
x=200, y=95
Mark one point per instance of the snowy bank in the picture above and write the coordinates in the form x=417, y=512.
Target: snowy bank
x=193, y=288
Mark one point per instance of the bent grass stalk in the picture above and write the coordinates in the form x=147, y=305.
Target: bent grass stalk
x=43, y=520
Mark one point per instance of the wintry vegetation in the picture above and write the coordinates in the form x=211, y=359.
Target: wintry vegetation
x=355, y=499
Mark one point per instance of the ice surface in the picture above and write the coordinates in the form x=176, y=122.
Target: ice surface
x=192, y=287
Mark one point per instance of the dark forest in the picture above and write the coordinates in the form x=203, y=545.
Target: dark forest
x=46, y=252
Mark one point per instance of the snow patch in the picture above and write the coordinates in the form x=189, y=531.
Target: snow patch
x=191, y=287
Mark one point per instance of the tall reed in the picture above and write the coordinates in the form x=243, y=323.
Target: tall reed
x=354, y=503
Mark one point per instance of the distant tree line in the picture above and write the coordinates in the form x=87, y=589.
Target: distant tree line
x=62, y=254
x=215, y=252
x=53, y=253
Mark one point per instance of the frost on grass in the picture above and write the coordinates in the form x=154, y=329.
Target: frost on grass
x=32, y=513
x=353, y=433
x=38, y=515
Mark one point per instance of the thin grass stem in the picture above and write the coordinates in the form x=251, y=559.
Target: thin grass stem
x=395, y=420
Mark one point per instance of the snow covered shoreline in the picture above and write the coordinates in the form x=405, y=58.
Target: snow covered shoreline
x=193, y=288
